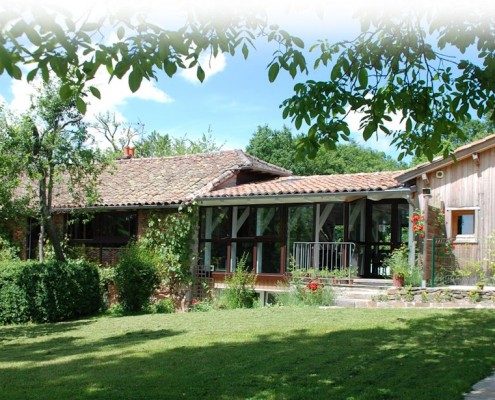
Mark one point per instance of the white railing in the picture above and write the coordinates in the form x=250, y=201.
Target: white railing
x=323, y=255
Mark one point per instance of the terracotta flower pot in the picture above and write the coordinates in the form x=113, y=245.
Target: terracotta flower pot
x=398, y=280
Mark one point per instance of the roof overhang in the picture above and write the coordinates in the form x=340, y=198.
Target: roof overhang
x=398, y=193
x=460, y=154
x=115, y=208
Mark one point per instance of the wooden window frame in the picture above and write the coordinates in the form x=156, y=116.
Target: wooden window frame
x=451, y=214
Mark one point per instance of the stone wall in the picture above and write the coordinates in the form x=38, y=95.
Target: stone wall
x=438, y=297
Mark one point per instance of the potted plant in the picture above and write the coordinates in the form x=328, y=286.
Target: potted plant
x=398, y=263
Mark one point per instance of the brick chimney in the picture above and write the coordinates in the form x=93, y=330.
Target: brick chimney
x=128, y=152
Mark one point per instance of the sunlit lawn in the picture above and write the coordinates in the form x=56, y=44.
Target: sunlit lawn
x=271, y=353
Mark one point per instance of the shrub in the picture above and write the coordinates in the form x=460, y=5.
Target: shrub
x=107, y=279
x=8, y=251
x=170, y=237
x=398, y=262
x=311, y=294
x=164, y=306
x=240, y=287
x=136, y=277
x=202, y=306
x=48, y=292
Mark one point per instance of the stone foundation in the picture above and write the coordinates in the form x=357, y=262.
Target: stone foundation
x=442, y=297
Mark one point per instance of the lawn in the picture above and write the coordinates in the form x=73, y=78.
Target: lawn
x=271, y=353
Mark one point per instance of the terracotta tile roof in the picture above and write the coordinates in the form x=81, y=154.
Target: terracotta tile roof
x=360, y=182
x=167, y=180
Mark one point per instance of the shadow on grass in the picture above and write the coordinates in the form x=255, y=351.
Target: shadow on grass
x=37, y=330
x=64, y=346
x=436, y=357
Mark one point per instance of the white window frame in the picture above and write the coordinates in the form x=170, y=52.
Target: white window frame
x=462, y=238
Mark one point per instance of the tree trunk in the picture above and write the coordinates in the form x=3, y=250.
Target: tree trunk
x=41, y=242
x=46, y=222
x=55, y=240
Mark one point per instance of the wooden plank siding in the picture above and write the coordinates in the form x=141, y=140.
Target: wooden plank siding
x=468, y=183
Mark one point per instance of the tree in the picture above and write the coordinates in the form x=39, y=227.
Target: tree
x=395, y=67
x=280, y=147
x=117, y=133
x=51, y=145
x=161, y=145
x=472, y=130
x=50, y=42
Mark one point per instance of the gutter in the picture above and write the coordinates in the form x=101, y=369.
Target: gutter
x=304, y=197
x=115, y=208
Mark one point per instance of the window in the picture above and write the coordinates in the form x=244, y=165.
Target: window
x=112, y=229
x=463, y=224
x=79, y=228
x=216, y=228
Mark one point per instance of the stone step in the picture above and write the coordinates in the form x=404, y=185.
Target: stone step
x=352, y=303
x=357, y=293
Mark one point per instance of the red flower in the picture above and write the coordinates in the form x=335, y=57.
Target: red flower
x=313, y=286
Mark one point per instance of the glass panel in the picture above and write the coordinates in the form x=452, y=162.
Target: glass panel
x=333, y=227
x=356, y=221
x=216, y=222
x=116, y=228
x=244, y=250
x=268, y=221
x=300, y=227
x=269, y=256
x=214, y=256
x=465, y=223
x=246, y=221
x=381, y=223
x=404, y=223
x=80, y=228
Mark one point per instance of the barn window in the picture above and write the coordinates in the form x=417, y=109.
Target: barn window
x=463, y=224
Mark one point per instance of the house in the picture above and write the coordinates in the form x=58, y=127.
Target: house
x=456, y=197
x=252, y=209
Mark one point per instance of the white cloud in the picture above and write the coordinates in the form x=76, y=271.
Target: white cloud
x=379, y=141
x=210, y=64
x=114, y=94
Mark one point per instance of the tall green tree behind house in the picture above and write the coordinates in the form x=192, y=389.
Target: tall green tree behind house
x=50, y=146
x=280, y=147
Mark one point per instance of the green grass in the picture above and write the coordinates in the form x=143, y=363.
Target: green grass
x=271, y=353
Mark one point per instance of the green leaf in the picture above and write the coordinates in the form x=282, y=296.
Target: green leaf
x=16, y=72
x=90, y=26
x=335, y=74
x=135, y=79
x=200, y=74
x=120, y=32
x=245, y=51
x=368, y=131
x=65, y=91
x=95, y=92
x=298, y=42
x=273, y=72
x=170, y=68
x=363, y=77
x=31, y=75
x=81, y=105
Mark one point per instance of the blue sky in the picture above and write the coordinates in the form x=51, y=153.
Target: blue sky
x=236, y=96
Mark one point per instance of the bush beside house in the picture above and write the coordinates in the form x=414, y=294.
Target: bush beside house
x=136, y=277
x=48, y=292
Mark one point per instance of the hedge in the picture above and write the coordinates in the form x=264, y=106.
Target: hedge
x=48, y=292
